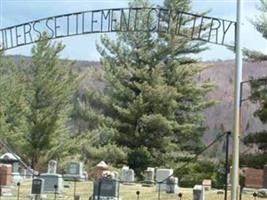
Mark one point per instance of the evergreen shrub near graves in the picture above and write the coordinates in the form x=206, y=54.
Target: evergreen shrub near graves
x=194, y=173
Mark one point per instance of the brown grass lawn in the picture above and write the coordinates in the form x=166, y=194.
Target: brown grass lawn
x=127, y=192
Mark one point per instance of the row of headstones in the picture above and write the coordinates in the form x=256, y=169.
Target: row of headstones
x=48, y=180
x=164, y=179
x=103, y=188
x=107, y=185
x=53, y=182
x=162, y=175
x=74, y=172
x=108, y=188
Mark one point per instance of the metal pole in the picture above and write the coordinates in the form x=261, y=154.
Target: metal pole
x=226, y=164
x=18, y=193
x=55, y=194
x=74, y=192
x=159, y=191
x=236, y=127
x=99, y=189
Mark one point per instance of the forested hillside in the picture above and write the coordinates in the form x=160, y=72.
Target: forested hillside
x=219, y=117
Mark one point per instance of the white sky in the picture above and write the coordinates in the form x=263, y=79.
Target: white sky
x=14, y=12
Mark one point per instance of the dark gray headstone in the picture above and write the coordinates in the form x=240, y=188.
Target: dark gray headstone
x=37, y=186
x=52, y=180
x=108, y=188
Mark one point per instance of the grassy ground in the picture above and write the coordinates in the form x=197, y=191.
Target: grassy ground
x=84, y=189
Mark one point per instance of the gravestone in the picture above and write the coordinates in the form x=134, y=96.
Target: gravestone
x=37, y=186
x=74, y=172
x=198, y=192
x=52, y=180
x=149, y=175
x=106, y=188
x=127, y=175
x=52, y=167
x=37, y=189
x=172, y=185
x=206, y=183
x=124, y=171
x=5, y=180
x=5, y=174
x=161, y=178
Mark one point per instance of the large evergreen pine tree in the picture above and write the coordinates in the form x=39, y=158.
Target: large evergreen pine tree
x=48, y=91
x=152, y=103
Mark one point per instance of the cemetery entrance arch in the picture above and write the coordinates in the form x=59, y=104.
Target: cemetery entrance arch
x=205, y=28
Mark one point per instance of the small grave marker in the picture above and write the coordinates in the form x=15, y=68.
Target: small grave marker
x=37, y=186
x=172, y=185
x=198, y=192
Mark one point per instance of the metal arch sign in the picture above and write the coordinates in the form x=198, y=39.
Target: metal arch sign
x=193, y=26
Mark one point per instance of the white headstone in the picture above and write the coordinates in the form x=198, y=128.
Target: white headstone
x=206, y=183
x=161, y=178
x=172, y=185
x=149, y=175
x=198, y=192
x=127, y=175
x=52, y=167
